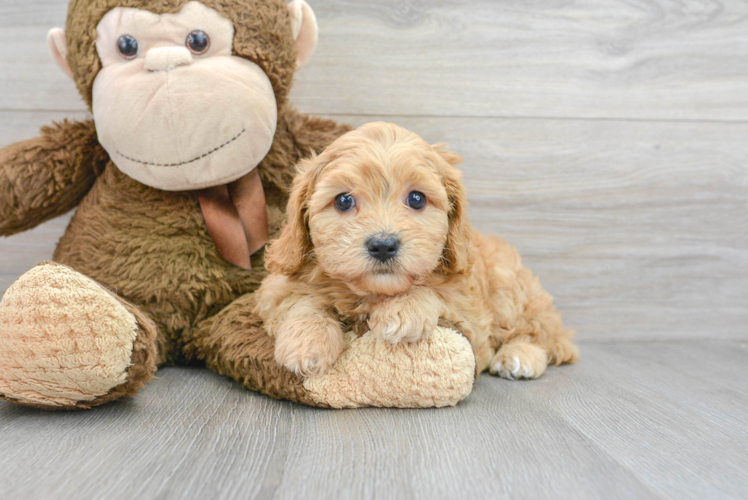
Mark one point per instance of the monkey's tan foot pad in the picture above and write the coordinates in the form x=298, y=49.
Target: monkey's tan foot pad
x=66, y=342
x=437, y=371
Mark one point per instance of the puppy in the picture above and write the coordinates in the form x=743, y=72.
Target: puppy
x=377, y=239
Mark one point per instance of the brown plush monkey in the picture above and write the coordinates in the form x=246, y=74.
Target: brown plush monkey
x=179, y=180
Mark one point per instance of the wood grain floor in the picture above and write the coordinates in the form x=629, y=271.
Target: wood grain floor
x=634, y=420
x=607, y=140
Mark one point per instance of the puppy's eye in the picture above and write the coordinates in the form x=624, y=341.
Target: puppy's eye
x=198, y=42
x=128, y=46
x=416, y=200
x=344, y=202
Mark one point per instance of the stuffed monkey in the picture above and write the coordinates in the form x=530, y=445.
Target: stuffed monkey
x=179, y=180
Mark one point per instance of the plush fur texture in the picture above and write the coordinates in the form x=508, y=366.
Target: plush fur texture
x=263, y=35
x=153, y=115
x=68, y=342
x=150, y=249
x=153, y=248
x=45, y=177
x=380, y=380
x=325, y=277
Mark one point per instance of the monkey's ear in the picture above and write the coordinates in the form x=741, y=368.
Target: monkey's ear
x=305, y=31
x=58, y=46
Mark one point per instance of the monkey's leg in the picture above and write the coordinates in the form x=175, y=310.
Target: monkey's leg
x=437, y=371
x=234, y=344
x=68, y=343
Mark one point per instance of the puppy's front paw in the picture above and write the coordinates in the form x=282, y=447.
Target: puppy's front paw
x=519, y=360
x=402, y=321
x=308, y=346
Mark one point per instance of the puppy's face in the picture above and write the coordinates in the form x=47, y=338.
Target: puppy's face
x=379, y=219
x=379, y=207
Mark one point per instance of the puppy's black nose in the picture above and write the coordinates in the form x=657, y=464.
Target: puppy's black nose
x=383, y=247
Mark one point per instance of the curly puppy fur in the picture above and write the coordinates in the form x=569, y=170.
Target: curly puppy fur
x=324, y=274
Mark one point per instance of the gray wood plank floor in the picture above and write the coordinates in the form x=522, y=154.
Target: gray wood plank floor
x=634, y=420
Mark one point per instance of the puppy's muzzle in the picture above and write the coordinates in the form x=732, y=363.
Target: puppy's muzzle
x=383, y=247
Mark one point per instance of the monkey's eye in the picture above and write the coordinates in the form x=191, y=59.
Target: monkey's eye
x=128, y=46
x=344, y=202
x=416, y=200
x=198, y=42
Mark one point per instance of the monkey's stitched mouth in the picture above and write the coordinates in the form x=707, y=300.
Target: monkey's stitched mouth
x=185, y=162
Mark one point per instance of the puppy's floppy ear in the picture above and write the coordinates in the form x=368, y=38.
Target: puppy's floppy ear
x=449, y=156
x=288, y=253
x=455, y=258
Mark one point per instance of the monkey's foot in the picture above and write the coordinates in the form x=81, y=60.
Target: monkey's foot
x=68, y=343
x=436, y=371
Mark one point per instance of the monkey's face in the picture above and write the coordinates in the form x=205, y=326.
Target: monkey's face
x=173, y=107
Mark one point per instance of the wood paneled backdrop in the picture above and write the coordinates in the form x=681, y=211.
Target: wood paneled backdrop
x=608, y=140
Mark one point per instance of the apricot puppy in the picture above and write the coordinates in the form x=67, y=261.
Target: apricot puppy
x=377, y=239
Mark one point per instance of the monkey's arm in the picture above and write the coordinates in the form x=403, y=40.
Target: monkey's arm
x=44, y=177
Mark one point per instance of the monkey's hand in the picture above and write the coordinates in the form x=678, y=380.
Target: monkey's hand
x=45, y=177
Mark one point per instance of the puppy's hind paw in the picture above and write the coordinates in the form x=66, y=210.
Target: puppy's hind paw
x=519, y=360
